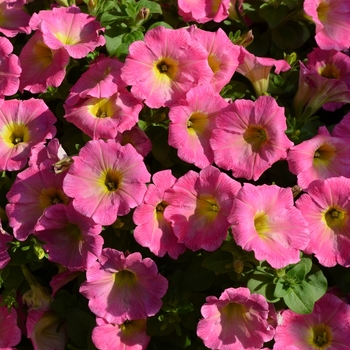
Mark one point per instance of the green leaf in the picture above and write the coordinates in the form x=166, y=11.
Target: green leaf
x=151, y=5
x=300, y=298
x=272, y=14
x=282, y=288
x=219, y=262
x=263, y=283
x=318, y=281
x=196, y=278
x=160, y=24
x=298, y=271
x=79, y=324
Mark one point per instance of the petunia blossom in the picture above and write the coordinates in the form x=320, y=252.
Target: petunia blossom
x=250, y=137
x=10, y=333
x=326, y=327
x=326, y=208
x=331, y=18
x=121, y=288
x=235, y=321
x=5, y=238
x=42, y=67
x=23, y=124
x=163, y=67
x=319, y=158
x=152, y=230
x=191, y=124
x=69, y=28
x=130, y=335
x=71, y=239
x=342, y=129
x=198, y=207
x=106, y=180
x=265, y=220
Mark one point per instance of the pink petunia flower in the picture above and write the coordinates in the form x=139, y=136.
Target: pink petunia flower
x=203, y=11
x=69, y=28
x=121, y=288
x=34, y=190
x=5, y=238
x=10, y=333
x=331, y=18
x=264, y=220
x=10, y=69
x=223, y=55
x=23, y=124
x=71, y=239
x=250, y=137
x=327, y=327
x=130, y=335
x=319, y=158
x=42, y=67
x=257, y=69
x=101, y=80
x=198, y=207
x=106, y=180
x=326, y=208
x=342, y=129
x=152, y=230
x=105, y=117
x=13, y=19
x=191, y=124
x=163, y=67
x=46, y=331
x=235, y=321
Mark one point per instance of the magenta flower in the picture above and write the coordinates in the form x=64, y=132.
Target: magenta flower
x=106, y=180
x=42, y=67
x=71, y=239
x=13, y=19
x=152, y=230
x=10, y=333
x=331, y=18
x=326, y=208
x=264, y=220
x=10, y=69
x=319, y=158
x=203, y=11
x=105, y=117
x=191, y=124
x=121, y=288
x=250, y=137
x=23, y=124
x=33, y=191
x=5, y=238
x=235, y=321
x=130, y=335
x=327, y=327
x=69, y=28
x=198, y=207
x=342, y=129
x=163, y=67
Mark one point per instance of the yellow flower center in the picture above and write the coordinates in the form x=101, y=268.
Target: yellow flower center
x=335, y=217
x=50, y=196
x=132, y=327
x=165, y=70
x=14, y=133
x=43, y=54
x=329, y=71
x=215, y=6
x=214, y=63
x=67, y=40
x=256, y=136
x=234, y=311
x=320, y=337
x=102, y=108
x=125, y=278
x=74, y=232
x=324, y=155
x=207, y=207
x=111, y=179
x=323, y=10
x=261, y=224
x=197, y=123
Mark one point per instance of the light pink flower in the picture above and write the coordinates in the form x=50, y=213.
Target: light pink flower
x=319, y=158
x=264, y=220
x=203, y=11
x=327, y=327
x=71, y=239
x=46, y=331
x=42, y=67
x=257, y=69
x=10, y=333
x=198, y=207
x=121, y=288
x=152, y=230
x=250, y=137
x=106, y=180
x=342, y=129
x=105, y=117
x=326, y=208
x=191, y=124
x=23, y=124
x=69, y=28
x=5, y=238
x=13, y=19
x=235, y=321
x=10, y=69
x=33, y=191
x=163, y=67
x=130, y=335
x=331, y=18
